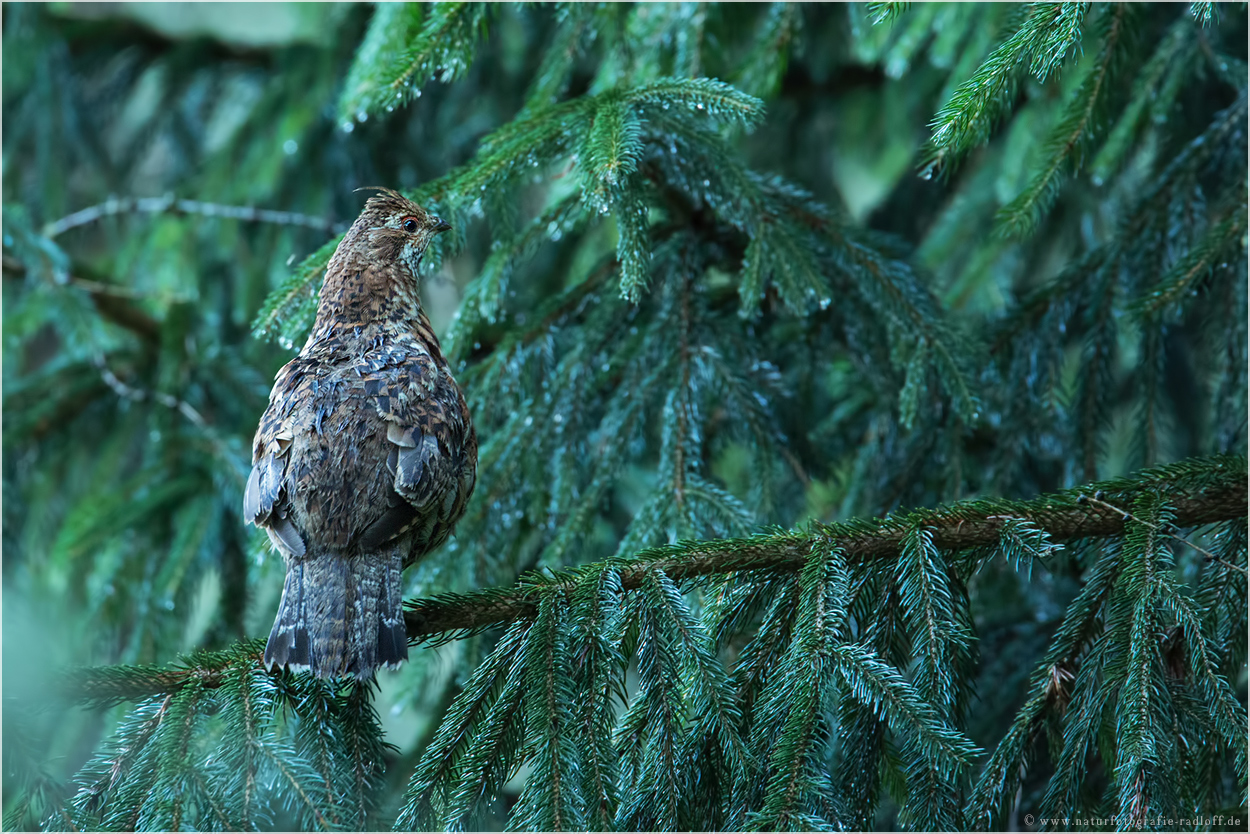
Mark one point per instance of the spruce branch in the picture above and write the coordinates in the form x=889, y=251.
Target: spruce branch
x=111, y=300
x=368, y=88
x=1202, y=490
x=444, y=48
x=880, y=13
x=577, y=27
x=1202, y=12
x=1208, y=254
x=1042, y=41
x=765, y=66
x=1156, y=82
x=1064, y=148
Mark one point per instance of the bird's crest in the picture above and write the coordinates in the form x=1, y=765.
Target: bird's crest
x=389, y=200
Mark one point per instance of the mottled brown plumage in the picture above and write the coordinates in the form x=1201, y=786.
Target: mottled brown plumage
x=366, y=455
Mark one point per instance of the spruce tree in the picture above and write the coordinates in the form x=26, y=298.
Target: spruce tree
x=861, y=388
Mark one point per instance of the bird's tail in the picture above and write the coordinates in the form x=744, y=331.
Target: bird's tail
x=340, y=616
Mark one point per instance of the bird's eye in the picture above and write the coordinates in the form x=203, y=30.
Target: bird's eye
x=410, y=224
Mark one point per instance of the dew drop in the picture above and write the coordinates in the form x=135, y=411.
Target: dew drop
x=348, y=127
x=362, y=116
x=290, y=146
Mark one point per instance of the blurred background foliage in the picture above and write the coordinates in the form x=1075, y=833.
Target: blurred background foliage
x=900, y=256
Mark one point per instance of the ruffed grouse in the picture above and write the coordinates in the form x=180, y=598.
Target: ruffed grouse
x=366, y=455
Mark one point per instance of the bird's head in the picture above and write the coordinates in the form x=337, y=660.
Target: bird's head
x=395, y=227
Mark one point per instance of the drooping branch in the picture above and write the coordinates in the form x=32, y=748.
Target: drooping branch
x=1201, y=491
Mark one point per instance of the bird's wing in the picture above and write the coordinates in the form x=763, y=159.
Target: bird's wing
x=433, y=448
x=265, y=500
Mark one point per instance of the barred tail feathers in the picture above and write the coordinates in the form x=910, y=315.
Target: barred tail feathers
x=340, y=616
x=378, y=631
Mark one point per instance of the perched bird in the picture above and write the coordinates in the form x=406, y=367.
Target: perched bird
x=366, y=455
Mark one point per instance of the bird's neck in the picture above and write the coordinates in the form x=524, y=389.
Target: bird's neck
x=364, y=296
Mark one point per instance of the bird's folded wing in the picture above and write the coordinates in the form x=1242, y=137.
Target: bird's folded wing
x=427, y=426
x=265, y=500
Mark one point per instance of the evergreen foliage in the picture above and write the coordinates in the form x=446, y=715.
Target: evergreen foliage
x=863, y=427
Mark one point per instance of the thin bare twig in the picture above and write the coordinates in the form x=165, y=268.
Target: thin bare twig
x=1211, y=557
x=183, y=407
x=169, y=204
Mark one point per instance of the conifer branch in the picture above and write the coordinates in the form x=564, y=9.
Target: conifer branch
x=1202, y=491
x=880, y=13
x=1226, y=232
x=1023, y=214
x=1043, y=40
x=236, y=464
x=109, y=299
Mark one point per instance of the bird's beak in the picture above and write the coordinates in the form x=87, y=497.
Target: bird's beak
x=441, y=225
